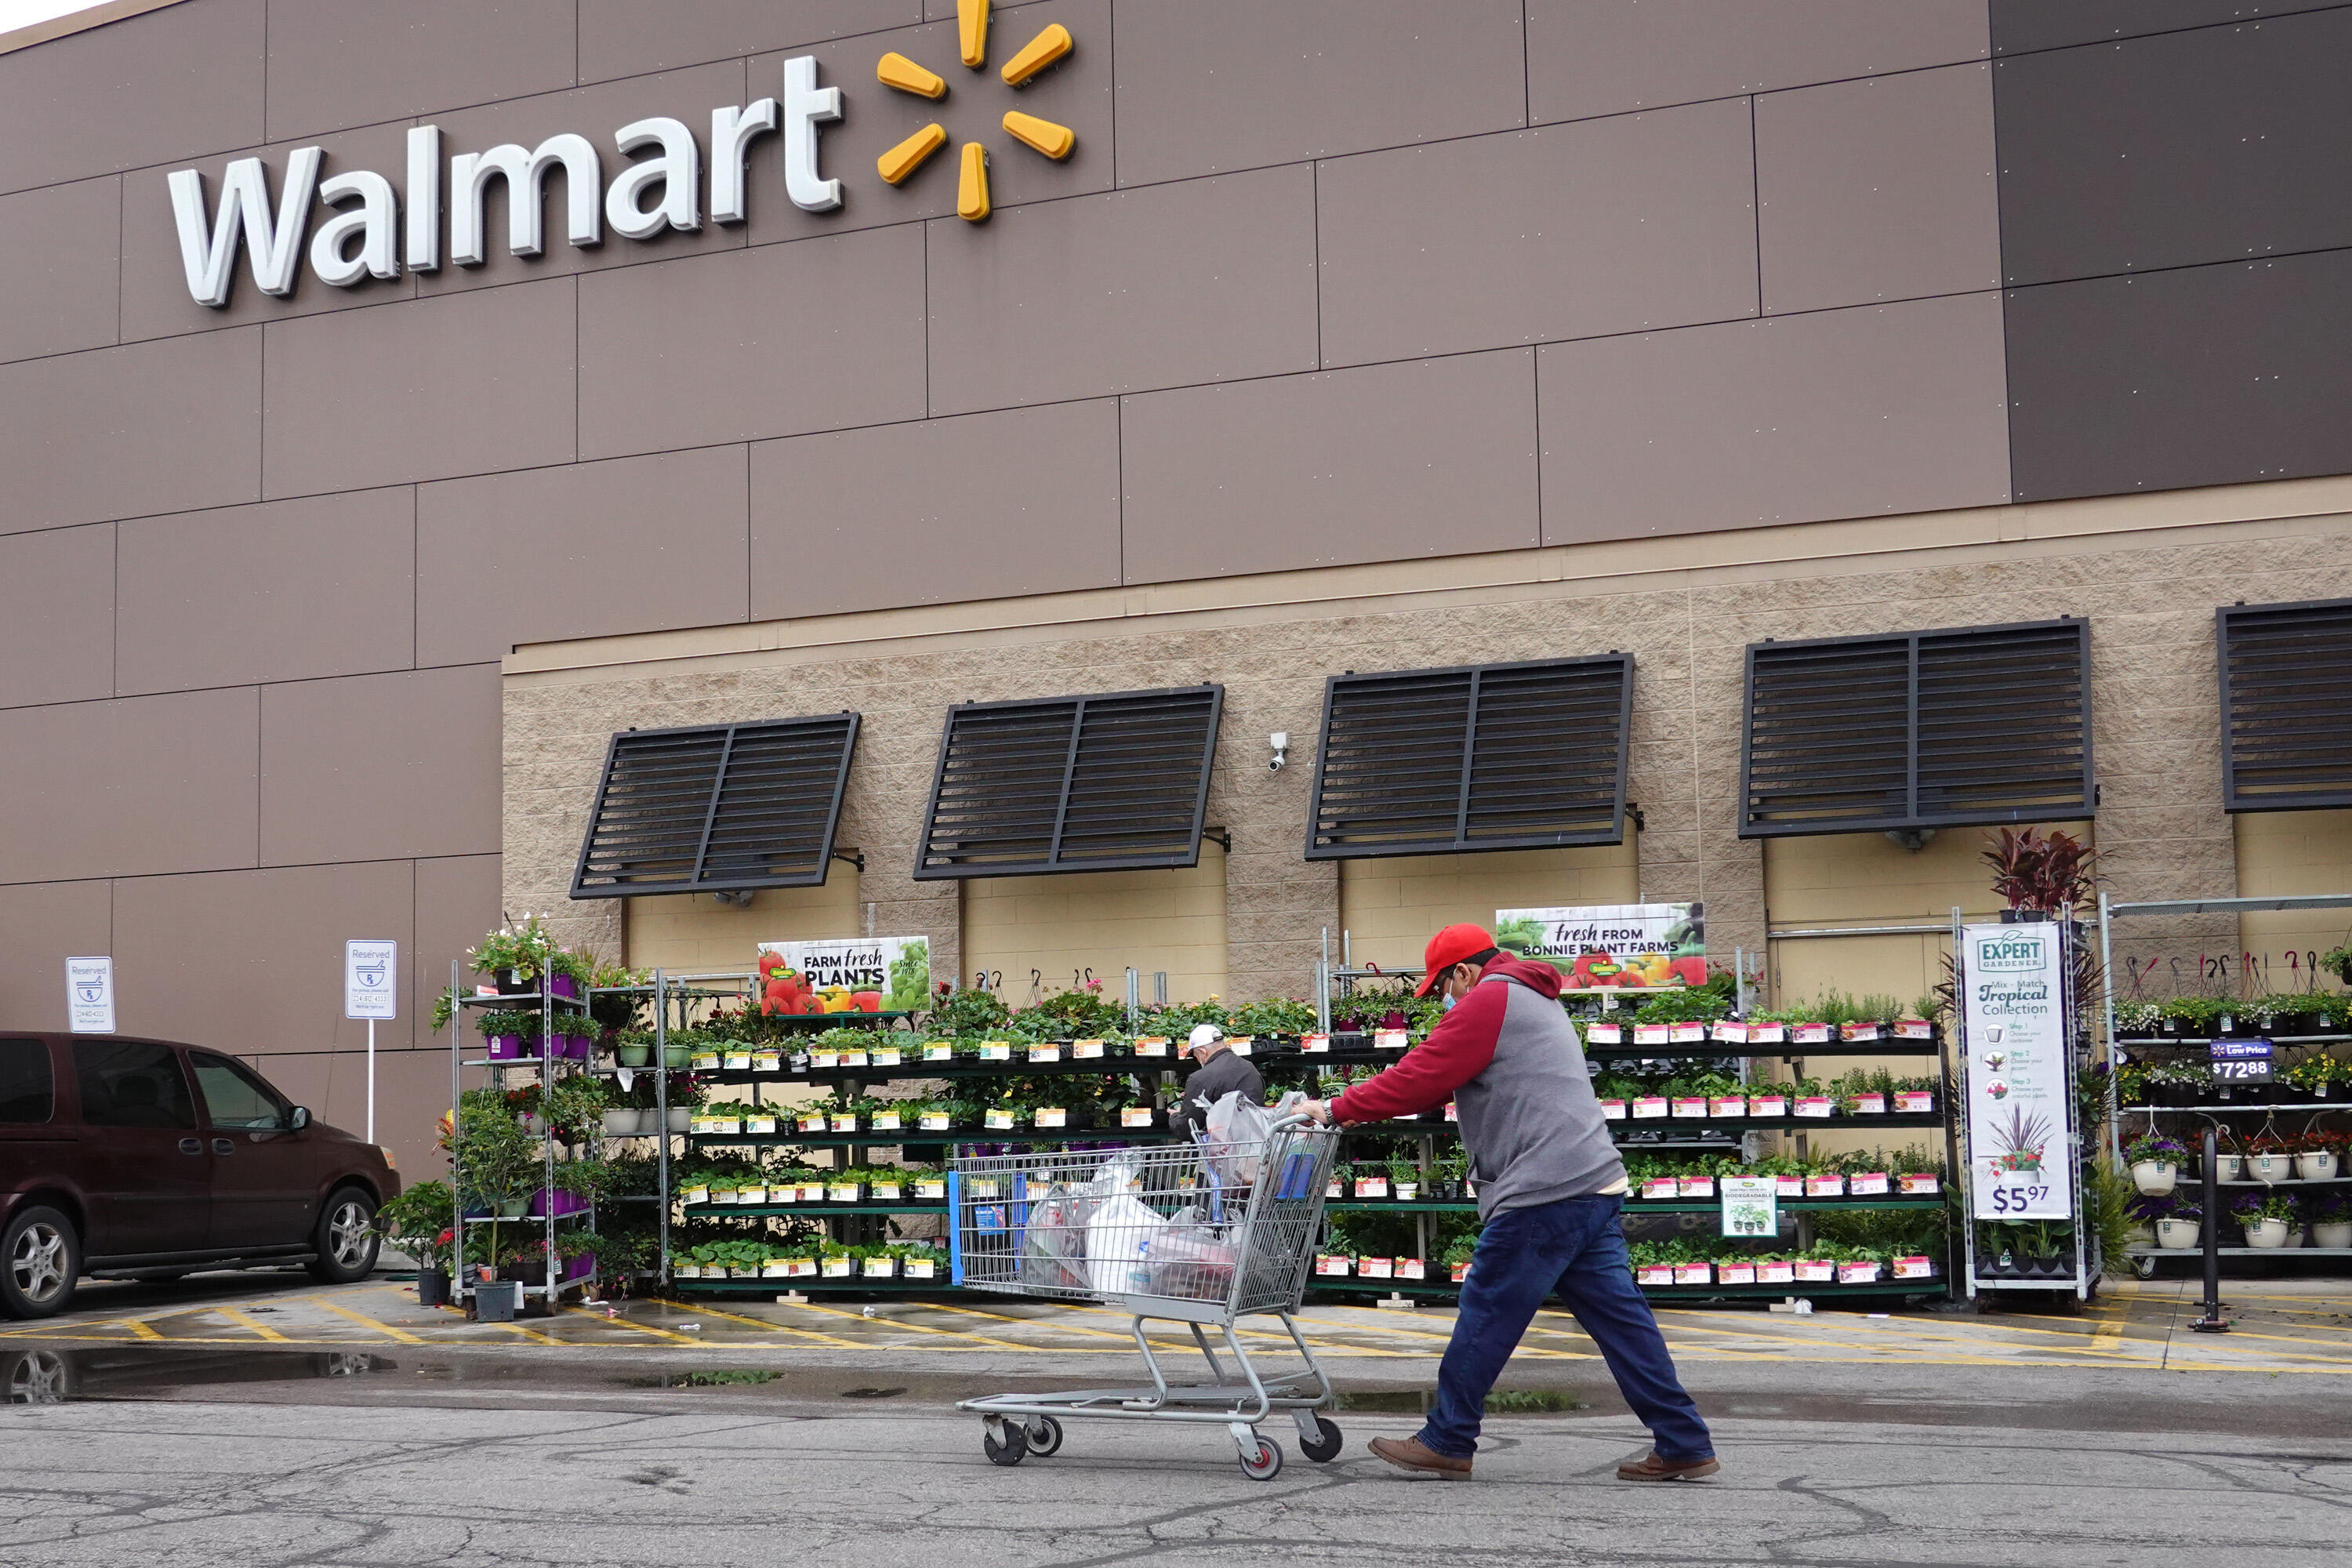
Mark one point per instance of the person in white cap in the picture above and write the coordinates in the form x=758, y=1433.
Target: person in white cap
x=1216, y=1072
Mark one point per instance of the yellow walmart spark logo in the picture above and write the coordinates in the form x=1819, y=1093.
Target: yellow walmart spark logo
x=897, y=71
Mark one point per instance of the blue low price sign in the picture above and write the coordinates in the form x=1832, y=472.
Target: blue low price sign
x=2241, y=1061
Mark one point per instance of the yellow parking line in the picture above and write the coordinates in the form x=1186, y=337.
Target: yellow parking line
x=401, y=1336
x=139, y=1330
x=242, y=1321
x=902, y=1323
x=631, y=1323
x=761, y=1323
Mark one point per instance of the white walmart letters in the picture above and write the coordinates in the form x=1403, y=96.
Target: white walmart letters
x=649, y=197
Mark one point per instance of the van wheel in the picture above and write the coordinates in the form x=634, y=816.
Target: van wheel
x=346, y=1239
x=40, y=1263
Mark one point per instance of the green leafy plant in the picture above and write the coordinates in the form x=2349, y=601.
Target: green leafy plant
x=421, y=1222
x=527, y=950
x=969, y=1013
x=575, y=1105
x=494, y=1164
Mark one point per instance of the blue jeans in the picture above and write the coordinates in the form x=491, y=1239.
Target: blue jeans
x=1577, y=1248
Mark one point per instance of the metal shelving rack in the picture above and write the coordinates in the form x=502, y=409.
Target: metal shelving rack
x=547, y=1070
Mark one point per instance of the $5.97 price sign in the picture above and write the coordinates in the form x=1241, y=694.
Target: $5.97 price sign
x=2017, y=1197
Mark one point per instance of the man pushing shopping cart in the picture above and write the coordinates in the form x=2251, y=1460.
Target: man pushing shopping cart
x=1550, y=1191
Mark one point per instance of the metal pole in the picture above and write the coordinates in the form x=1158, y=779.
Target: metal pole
x=661, y=1119
x=2107, y=991
x=457, y=1054
x=2212, y=1322
x=1954, y=1104
x=371, y=1114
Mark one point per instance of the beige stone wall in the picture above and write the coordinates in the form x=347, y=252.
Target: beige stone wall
x=2146, y=571
x=2282, y=853
x=695, y=933
x=1036, y=935
x=1388, y=906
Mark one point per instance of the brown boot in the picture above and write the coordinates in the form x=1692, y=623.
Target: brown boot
x=1650, y=1468
x=1407, y=1454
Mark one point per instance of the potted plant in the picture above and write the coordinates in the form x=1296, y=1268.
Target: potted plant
x=2270, y=1158
x=634, y=1047
x=2182, y=1227
x=515, y=957
x=1404, y=1178
x=421, y=1222
x=574, y=1106
x=2331, y=1222
x=494, y=1163
x=2155, y=1161
x=2315, y=1157
x=2267, y=1217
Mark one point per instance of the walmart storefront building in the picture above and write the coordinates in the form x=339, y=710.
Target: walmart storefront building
x=405, y=396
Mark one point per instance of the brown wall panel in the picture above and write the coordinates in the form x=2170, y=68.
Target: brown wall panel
x=568, y=552
x=1852, y=413
x=1211, y=86
x=57, y=616
x=2193, y=147
x=148, y=428
x=1593, y=56
x=336, y=63
x=282, y=591
x=621, y=37
x=370, y=767
x=421, y=390
x=457, y=903
x=171, y=84
x=1388, y=463
x=596, y=112
x=60, y=267
x=2201, y=375
x=779, y=340
x=975, y=507
x=41, y=926
x=1201, y=281
x=1568, y=231
x=1076, y=93
x=156, y=302
x=2019, y=26
x=140, y=786
x=1878, y=189
x=252, y=962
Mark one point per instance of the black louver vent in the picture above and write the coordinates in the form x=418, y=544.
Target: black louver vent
x=1109, y=783
x=1496, y=756
x=2285, y=672
x=717, y=808
x=1987, y=724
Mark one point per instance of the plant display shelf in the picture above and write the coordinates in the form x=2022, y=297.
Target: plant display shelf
x=2207, y=1039
x=818, y=1211
x=2273, y=1107
x=1729, y=1052
x=772, y=1287
x=893, y=1140
x=1636, y=1206
x=2191, y=1184
x=1932, y=1286
x=2193, y=1253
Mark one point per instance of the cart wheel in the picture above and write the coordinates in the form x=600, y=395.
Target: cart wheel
x=1265, y=1464
x=1324, y=1447
x=2143, y=1267
x=1007, y=1445
x=1043, y=1436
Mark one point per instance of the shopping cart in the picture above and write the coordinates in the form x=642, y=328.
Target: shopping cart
x=1200, y=1234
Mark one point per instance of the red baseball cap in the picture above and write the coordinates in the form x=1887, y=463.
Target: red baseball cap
x=1448, y=947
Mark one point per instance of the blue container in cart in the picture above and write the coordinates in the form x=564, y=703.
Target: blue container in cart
x=1198, y=1234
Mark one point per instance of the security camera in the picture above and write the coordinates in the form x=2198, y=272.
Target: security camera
x=1280, y=741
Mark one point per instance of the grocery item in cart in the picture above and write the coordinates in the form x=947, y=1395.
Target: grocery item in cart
x=1053, y=1243
x=1118, y=1237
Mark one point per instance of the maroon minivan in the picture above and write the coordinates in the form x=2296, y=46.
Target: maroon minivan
x=131, y=1158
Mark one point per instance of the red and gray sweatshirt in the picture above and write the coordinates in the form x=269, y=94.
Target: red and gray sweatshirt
x=1510, y=1061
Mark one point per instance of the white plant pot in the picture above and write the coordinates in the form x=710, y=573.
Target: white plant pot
x=2179, y=1235
x=680, y=1120
x=2231, y=1167
x=2336, y=1235
x=2270, y=1167
x=2155, y=1178
x=2316, y=1167
x=2267, y=1233
x=623, y=1123
x=535, y=1125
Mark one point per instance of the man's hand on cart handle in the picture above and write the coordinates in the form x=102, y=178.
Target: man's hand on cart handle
x=1320, y=1109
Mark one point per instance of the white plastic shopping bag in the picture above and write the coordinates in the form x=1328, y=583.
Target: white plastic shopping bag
x=1119, y=1245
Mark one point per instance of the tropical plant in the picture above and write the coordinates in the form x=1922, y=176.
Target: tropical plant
x=421, y=1222
x=2043, y=873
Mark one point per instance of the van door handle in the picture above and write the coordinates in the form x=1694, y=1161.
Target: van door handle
x=222, y=1146
x=192, y=1146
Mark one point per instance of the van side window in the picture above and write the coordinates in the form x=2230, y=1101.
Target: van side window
x=25, y=1089
x=125, y=1083
x=235, y=1097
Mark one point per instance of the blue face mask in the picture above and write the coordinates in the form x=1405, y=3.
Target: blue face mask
x=1446, y=1004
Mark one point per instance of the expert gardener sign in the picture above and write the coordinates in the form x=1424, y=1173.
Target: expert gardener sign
x=2021, y=1132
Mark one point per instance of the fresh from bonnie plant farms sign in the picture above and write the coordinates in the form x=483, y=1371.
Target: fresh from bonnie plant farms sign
x=1611, y=945
x=2021, y=1132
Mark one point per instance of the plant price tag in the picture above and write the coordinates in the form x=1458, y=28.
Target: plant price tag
x=1649, y=1108
x=938, y=1051
x=1135, y=1115
x=1915, y=1102
x=995, y=1050
x=886, y=1059
x=1315, y=1045
x=1751, y=1206
x=1866, y=1185
x=1656, y=1189
x=1816, y=1105
x=1085, y=1050
x=1045, y=1054
x=1388, y=1039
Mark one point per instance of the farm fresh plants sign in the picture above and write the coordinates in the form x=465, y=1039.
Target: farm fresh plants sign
x=2021, y=1137
x=894, y=972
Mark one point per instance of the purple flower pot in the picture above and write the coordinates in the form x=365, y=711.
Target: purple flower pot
x=577, y=1046
x=579, y=1268
x=506, y=1047
x=563, y=986
x=551, y=1046
x=553, y=1202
